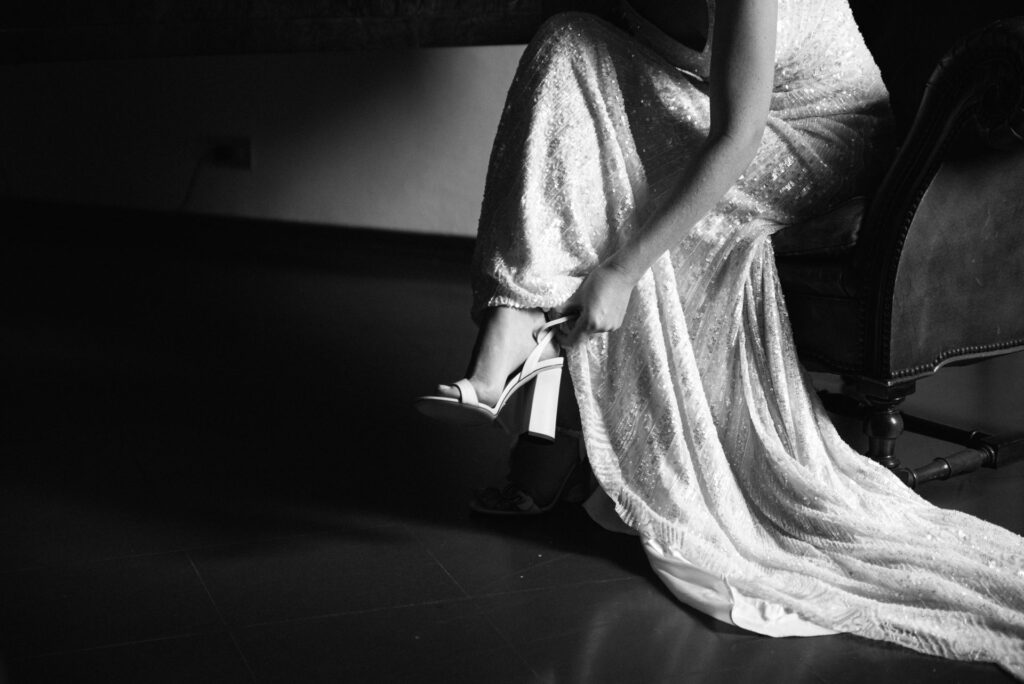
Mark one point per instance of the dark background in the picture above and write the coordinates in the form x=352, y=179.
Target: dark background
x=907, y=38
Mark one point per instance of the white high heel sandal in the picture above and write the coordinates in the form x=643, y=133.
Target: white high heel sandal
x=535, y=415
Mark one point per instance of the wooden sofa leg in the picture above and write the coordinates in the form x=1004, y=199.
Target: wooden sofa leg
x=883, y=424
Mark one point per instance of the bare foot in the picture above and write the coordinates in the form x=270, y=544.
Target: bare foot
x=504, y=342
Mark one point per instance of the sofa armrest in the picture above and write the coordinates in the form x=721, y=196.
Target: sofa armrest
x=974, y=101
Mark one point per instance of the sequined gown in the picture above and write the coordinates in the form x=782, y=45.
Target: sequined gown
x=698, y=420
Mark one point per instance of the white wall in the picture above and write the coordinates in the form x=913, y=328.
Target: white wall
x=395, y=140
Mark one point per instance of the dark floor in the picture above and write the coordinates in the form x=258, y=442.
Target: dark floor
x=211, y=471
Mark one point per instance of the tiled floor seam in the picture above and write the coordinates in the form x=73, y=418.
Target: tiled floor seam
x=349, y=613
x=508, y=642
x=501, y=635
x=436, y=560
x=187, y=550
x=119, y=644
x=549, y=587
x=220, y=616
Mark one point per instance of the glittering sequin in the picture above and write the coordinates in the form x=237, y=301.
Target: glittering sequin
x=697, y=417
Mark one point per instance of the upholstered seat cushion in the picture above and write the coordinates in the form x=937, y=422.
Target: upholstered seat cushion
x=819, y=284
x=831, y=234
x=811, y=256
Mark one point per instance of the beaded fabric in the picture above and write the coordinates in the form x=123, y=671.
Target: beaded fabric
x=699, y=422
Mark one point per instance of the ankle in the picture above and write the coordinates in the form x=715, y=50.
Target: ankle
x=506, y=338
x=542, y=470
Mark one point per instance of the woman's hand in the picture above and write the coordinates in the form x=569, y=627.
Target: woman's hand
x=599, y=304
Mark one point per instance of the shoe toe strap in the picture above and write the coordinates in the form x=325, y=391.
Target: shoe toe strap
x=467, y=392
x=512, y=496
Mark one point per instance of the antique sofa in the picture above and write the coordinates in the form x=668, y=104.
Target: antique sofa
x=928, y=270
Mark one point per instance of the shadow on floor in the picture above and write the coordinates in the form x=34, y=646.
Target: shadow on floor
x=212, y=472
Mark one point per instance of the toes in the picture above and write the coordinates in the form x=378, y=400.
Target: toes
x=448, y=391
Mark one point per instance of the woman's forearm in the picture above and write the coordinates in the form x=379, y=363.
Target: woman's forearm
x=702, y=184
x=742, y=72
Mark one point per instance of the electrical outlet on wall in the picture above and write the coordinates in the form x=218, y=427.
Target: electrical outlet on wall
x=232, y=151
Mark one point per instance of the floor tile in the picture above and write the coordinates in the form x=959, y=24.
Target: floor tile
x=494, y=555
x=322, y=574
x=210, y=658
x=42, y=525
x=446, y=642
x=108, y=513
x=249, y=407
x=619, y=631
x=109, y=602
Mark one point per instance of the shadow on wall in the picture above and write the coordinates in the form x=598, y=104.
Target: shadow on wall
x=389, y=139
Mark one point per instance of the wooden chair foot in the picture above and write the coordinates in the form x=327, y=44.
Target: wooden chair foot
x=883, y=424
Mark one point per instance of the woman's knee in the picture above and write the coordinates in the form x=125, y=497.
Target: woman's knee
x=569, y=31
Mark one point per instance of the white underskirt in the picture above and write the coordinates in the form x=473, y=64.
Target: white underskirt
x=703, y=590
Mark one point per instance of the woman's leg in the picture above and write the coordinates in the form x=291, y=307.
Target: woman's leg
x=541, y=468
x=560, y=185
x=541, y=474
x=505, y=339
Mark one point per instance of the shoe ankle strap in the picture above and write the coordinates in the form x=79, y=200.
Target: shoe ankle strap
x=547, y=331
x=542, y=337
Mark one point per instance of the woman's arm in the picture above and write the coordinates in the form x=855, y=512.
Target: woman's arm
x=742, y=73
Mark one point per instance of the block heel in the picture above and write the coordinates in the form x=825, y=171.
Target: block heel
x=542, y=404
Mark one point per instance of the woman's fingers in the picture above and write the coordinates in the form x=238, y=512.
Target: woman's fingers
x=583, y=327
x=580, y=332
x=572, y=335
x=567, y=333
x=572, y=309
x=594, y=308
x=562, y=333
